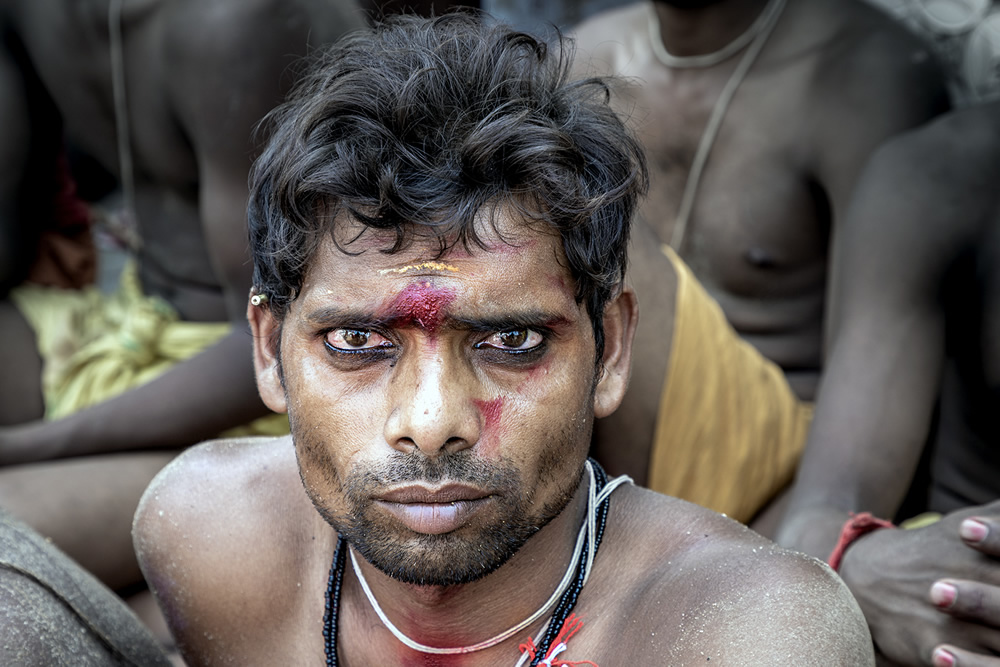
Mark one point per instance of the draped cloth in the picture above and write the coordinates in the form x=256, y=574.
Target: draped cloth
x=729, y=431
x=95, y=346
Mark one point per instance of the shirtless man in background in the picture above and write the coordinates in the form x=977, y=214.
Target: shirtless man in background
x=444, y=318
x=827, y=82
x=198, y=76
x=915, y=315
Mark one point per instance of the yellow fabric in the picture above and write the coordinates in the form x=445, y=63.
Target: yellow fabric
x=921, y=520
x=96, y=346
x=729, y=431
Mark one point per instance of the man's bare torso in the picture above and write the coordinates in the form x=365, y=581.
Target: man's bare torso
x=758, y=235
x=169, y=101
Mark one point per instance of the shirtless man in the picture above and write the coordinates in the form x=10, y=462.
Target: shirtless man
x=828, y=81
x=438, y=274
x=916, y=314
x=198, y=76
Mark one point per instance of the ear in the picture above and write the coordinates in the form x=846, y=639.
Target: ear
x=620, y=318
x=266, y=330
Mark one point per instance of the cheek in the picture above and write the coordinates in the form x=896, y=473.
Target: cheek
x=535, y=379
x=491, y=416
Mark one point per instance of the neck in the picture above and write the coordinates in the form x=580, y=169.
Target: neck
x=692, y=31
x=471, y=613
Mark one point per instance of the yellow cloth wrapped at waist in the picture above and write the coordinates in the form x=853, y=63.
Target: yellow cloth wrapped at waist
x=95, y=346
x=729, y=431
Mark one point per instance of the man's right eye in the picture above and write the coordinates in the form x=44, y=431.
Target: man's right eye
x=356, y=340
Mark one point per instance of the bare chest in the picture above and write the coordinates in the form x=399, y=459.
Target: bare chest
x=70, y=48
x=757, y=224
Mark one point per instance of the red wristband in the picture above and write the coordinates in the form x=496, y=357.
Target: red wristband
x=855, y=527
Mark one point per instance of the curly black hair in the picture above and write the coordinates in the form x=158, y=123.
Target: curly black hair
x=417, y=125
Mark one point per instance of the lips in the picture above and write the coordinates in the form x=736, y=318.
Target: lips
x=434, y=511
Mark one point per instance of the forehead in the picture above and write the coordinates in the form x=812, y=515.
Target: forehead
x=518, y=261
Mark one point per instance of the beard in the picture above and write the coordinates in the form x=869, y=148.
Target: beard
x=459, y=557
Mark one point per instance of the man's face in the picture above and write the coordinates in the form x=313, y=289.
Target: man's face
x=441, y=407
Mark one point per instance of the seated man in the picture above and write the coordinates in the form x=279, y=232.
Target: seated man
x=917, y=316
x=166, y=96
x=757, y=116
x=439, y=230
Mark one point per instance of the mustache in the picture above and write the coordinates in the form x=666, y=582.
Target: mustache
x=460, y=468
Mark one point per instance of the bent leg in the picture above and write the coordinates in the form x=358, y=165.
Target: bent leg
x=85, y=506
x=54, y=613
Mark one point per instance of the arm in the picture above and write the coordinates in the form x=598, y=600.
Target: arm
x=886, y=335
x=228, y=68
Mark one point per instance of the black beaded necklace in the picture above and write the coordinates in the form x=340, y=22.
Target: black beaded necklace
x=566, y=603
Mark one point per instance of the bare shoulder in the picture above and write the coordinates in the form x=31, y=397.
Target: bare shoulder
x=219, y=493
x=866, y=58
x=604, y=41
x=222, y=514
x=712, y=589
x=241, y=29
x=232, y=61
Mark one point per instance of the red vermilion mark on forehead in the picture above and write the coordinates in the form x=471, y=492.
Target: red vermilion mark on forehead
x=491, y=411
x=422, y=304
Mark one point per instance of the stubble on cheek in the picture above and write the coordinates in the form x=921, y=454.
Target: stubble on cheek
x=317, y=470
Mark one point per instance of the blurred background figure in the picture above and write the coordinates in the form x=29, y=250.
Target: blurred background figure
x=758, y=117
x=964, y=35
x=915, y=322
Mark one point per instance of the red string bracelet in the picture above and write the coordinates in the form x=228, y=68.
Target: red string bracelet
x=858, y=525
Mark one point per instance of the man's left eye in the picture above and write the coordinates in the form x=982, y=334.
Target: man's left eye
x=513, y=339
x=355, y=339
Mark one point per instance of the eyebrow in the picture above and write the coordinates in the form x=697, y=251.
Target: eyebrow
x=333, y=316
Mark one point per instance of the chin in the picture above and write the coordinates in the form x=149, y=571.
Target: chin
x=438, y=560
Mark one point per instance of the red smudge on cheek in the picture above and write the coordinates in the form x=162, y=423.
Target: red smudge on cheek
x=422, y=304
x=491, y=411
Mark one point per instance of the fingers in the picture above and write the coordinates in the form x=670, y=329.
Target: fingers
x=981, y=533
x=947, y=655
x=969, y=600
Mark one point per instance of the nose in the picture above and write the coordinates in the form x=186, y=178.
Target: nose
x=431, y=394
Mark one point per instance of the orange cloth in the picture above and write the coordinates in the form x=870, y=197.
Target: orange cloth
x=729, y=431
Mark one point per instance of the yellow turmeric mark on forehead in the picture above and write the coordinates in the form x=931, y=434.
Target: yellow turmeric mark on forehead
x=427, y=266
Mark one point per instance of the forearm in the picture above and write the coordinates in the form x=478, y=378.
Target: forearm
x=196, y=400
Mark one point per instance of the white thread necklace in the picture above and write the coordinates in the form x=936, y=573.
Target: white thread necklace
x=707, y=59
x=758, y=32
x=586, y=533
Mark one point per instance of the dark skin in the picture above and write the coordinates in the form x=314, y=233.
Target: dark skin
x=706, y=585
x=199, y=76
x=916, y=311
x=834, y=80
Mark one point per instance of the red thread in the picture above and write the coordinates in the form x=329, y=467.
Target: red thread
x=855, y=527
x=570, y=627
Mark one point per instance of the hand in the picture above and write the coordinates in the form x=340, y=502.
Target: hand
x=967, y=600
x=932, y=592
x=27, y=443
